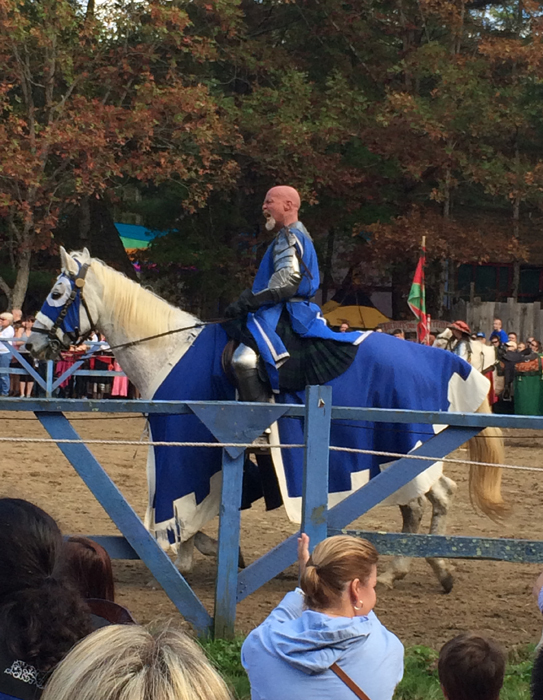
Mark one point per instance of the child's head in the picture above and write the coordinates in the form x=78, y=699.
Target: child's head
x=537, y=677
x=89, y=567
x=471, y=667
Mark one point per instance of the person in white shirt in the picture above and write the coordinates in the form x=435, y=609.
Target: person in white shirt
x=6, y=331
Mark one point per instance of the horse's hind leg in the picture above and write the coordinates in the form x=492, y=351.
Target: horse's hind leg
x=399, y=567
x=210, y=547
x=441, y=496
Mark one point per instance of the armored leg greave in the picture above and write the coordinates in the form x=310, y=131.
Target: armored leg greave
x=251, y=387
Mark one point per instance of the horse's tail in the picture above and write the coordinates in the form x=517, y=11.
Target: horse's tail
x=485, y=482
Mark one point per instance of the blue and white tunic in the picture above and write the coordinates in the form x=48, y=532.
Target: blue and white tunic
x=305, y=317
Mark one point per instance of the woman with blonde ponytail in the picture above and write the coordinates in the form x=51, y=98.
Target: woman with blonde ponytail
x=324, y=640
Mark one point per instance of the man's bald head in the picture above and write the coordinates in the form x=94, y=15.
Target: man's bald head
x=281, y=207
x=287, y=193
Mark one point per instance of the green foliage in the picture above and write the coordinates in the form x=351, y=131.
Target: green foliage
x=226, y=657
x=420, y=681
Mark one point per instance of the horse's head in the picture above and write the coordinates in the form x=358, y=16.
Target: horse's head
x=66, y=316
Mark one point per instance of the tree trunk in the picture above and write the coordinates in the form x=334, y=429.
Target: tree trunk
x=327, y=279
x=21, y=282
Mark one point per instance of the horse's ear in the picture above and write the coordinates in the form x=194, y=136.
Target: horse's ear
x=86, y=254
x=67, y=263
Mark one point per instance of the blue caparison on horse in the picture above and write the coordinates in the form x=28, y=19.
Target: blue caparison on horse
x=184, y=482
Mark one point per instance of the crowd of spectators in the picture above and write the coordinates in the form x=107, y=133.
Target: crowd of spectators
x=95, y=355
x=63, y=636
x=514, y=368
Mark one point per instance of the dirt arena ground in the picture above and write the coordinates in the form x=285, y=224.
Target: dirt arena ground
x=490, y=597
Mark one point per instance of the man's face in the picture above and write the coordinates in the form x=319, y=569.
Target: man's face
x=274, y=210
x=497, y=324
x=495, y=342
x=513, y=337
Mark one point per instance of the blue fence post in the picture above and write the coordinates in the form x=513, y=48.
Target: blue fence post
x=49, y=378
x=318, y=411
x=229, y=532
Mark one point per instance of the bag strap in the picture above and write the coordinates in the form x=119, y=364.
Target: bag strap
x=357, y=690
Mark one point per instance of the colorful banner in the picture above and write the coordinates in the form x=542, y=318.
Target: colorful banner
x=417, y=299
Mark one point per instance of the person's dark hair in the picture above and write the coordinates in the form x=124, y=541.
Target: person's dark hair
x=397, y=331
x=333, y=564
x=89, y=567
x=41, y=615
x=471, y=667
x=536, y=685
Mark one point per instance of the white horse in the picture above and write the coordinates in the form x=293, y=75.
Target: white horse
x=90, y=295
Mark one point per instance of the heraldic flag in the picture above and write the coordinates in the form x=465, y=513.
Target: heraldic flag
x=417, y=298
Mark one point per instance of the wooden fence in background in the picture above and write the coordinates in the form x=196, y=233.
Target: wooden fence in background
x=524, y=319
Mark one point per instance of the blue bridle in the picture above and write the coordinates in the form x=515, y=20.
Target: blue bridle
x=65, y=315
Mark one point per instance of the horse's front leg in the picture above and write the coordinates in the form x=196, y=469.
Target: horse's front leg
x=185, y=555
x=441, y=496
x=399, y=567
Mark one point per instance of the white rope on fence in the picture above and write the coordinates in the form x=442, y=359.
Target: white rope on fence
x=353, y=450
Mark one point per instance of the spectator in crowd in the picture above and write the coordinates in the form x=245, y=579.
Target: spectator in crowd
x=18, y=330
x=325, y=635
x=6, y=332
x=398, y=333
x=535, y=345
x=471, y=667
x=481, y=337
x=89, y=568
x=513, y=337
x=498, y=331
x=26, y=383
x=41, y=616
x=537, y=677
x=537, y=671
x=130, y=663
x=460, y=344
x=344, y=327
x=378, y=329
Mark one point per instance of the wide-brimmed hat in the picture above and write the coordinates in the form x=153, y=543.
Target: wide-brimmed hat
x=461, y=326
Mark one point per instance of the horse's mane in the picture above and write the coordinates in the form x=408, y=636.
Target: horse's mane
x=138, y=310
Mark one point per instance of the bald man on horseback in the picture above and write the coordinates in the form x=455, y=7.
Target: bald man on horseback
x=284, y=341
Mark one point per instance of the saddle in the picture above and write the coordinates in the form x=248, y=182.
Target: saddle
x=226, y=360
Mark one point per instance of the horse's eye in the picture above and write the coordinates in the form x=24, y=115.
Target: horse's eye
x=56, y=295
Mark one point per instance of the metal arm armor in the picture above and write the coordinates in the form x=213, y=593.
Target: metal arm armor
x=286, y=278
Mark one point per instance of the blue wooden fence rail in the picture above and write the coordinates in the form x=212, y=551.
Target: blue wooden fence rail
x=236, y=422
x=48, y=382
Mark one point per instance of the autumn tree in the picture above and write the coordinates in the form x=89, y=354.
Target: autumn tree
x=93, y=97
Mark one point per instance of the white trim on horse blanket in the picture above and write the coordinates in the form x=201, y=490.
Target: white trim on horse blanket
x=184, y=483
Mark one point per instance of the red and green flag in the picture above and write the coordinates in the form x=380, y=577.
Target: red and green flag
x=417, y=299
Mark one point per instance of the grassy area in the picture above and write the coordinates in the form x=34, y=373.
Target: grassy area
x=420, y=680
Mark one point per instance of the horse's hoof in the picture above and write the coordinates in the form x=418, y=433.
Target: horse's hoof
x=386, y=580
x=447, y=582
